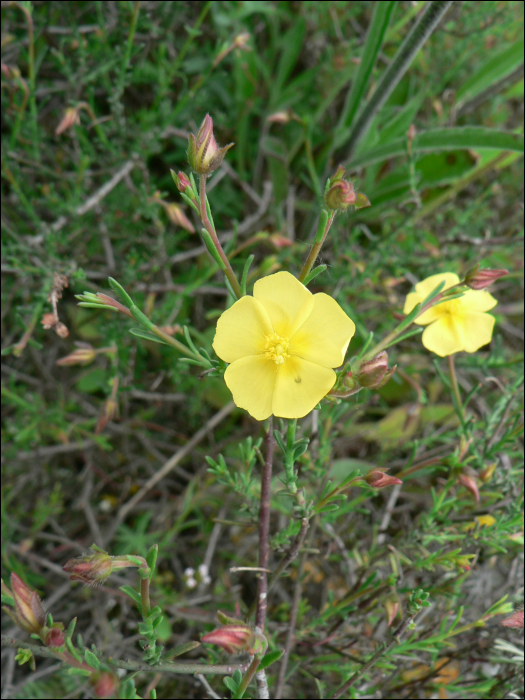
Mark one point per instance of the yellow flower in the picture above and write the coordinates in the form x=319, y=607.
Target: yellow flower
x=459, y=324
x=282, y=344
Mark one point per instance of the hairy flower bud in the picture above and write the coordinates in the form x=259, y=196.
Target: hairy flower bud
x=81, y=356
x=470, y=484
x=515, y=620
x=340, y=194
x=178, y=217
x=55, y=636
x=104, y=683
x=481, y=279
x=232, y=638
x=29, y=613
x=374, y=373
x=91, y=569
x=379, y=479
x=204, y=154
x=183, y=184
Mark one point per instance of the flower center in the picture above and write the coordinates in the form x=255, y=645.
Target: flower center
x=452, y=307
x=276, y=348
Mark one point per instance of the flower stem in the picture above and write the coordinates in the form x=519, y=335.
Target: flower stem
x=455, y=389
x=291, y=479
x=228, y=271
x=318, y=244
x=264, y=530
x=248, y=677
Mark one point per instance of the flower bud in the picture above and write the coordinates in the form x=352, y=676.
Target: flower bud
x=340, y=194
x=81, y=356
x=178, y=217
x=104, y=683
x=470, y=484
x=91, y=569
x=392, y=608
x=70, y=118
x=515, y=620
x=55, y=636
x=481, y=279
x=29, y=613
x=372, y=372
x=232, y=638
x=183, y=184
x=486, y=474
x=379, y=479
x=204, y=154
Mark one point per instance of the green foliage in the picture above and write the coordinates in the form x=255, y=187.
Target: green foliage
x=96, y=204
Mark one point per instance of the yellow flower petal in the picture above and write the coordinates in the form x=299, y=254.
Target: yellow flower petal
x=477, y=300
x=444, y=336
x=324, y=337
x=251, y=381
x=299, y=387
x=421, y=292
x=287, y=301
x=241, y=330
x=477, y=330
x=427, y=285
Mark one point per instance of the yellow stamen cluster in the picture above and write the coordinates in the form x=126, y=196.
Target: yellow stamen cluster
x=276, y=348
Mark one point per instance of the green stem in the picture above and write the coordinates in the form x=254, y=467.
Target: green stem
x=455, y=389
x=228, y=271
x=291, y=479
x=116, y=99
x=144, y=597
x=248, y=677
x=186, y=668
x=318, y=244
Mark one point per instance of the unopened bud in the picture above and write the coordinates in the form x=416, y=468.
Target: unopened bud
x=372, y=372
x=340, y=194
x=515, y=620
x=29, y=613
x=204, y=154
x=470, y=484
x=178, y=217
x=105, y=684
x=392, y=609
x=379, y=479
x=232, y=638
x=486, y=474
x=55, y=636
x=481, y=279
x=70, y=118
x=183, y=184
x=81, y=356
x=91, y=569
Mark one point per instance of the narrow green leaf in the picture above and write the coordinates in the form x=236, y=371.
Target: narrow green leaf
x=451, y=139
x=245, y=271
x=151, y=558
x=141, y=317
x=133, y=594
x=372, y=47
x=492, y=71
x=270, y=658
x=141, y=333
x=180, y=649
x=313, y=273
x=120, y=292
x=91, y=659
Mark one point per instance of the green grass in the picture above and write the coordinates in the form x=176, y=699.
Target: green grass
x=92, y=203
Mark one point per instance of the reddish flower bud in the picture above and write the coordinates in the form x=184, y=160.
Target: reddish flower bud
x=372, y=373
x=340, y=194
x=232, y=638
x=70, y=118
x=379, y=479
x=91, y=569
x=55, y=636
x=178, y=217
x=470, y=484
x=392, y=609
x=29, y=613
x=105, y=684
x=183, y=184
x=486, y=474
x=481, y=279
x=204, y=154
x=515, y=620
x=81, y=356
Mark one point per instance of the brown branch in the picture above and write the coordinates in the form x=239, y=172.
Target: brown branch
x=264, y=530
